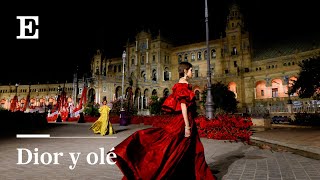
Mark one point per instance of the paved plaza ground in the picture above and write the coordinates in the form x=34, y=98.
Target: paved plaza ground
x=232, y=161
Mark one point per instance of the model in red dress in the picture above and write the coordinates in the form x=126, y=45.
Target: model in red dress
x=170, y=152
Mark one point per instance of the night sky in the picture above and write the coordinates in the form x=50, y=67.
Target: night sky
x=69, y=33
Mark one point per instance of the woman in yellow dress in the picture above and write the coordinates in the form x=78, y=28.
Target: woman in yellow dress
x=103, y=125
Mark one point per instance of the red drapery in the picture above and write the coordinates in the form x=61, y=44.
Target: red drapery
x=63, y=100
x=27, y=102
x=83, y=98
x=13, y=104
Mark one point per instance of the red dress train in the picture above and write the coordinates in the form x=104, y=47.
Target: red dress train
x=164, y=153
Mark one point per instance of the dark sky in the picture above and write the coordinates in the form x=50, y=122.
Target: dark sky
x=68, y=33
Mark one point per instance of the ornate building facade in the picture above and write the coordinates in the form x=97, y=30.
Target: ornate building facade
x=257, y=77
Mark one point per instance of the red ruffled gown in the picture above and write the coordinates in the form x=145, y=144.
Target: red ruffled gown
x=164, y=153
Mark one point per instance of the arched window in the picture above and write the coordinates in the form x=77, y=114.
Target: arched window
x=179, y=58
x=234, y=51
x=199, y=56
x=261, y=90
x=154, y=58
x=193, y=57
x=154, y=75
x=142, y=60
x=143, y=75
x=232, y=86
x=119, y=68
x=186, y=57
x=166, y=74
x=154, y=93
x=213, y=54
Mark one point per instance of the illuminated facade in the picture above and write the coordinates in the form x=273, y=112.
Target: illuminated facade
x=257, y=77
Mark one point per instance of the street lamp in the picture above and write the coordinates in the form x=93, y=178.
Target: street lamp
x=209, y=100
x=123, y=120
x=58, y=104
x=17, y=88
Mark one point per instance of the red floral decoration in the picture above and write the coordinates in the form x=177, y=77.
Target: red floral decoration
x=225, y=127
x=222, y=127
x=73, y=119
x=52, y=118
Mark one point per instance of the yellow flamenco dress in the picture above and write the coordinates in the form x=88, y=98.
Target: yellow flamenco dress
x=103, y=125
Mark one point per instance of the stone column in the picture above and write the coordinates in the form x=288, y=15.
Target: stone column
x=146, y=102
x=136, y=45
x=289, y=106
x=133, y=100
x=147, y=43
x=135, y=59
x=141, y=102
x=147, y=57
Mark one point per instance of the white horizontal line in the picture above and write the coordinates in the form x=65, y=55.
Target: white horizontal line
x=33, y=135
x=75, y=137
x=57, y=137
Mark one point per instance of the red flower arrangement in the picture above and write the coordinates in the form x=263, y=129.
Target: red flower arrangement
x=73, y=119
x=52, y=118
x=222, y=127
x=225, y=127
